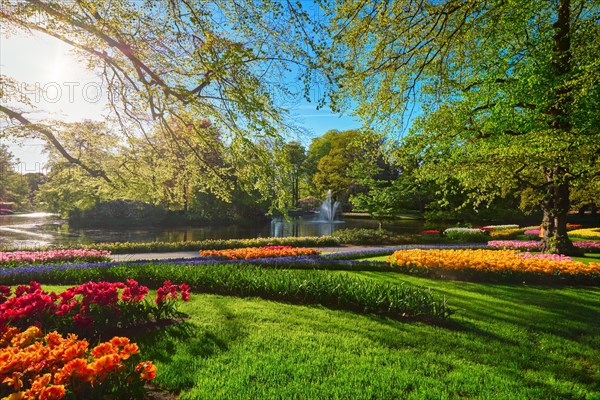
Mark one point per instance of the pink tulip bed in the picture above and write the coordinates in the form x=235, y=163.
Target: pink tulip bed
x=14, y=258
x=533, y=245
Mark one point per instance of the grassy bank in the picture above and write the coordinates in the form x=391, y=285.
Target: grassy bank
x=505, y=342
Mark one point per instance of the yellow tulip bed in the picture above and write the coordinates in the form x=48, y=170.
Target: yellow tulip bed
x=496, y=265
x=592, y=233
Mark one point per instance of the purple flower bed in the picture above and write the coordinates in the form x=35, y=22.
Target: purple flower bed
x=290, y=262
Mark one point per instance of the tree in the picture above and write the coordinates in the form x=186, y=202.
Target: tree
x=329, y=158
x=14, y=187
x=294, y=157
x=509, y=91
x=165, y=60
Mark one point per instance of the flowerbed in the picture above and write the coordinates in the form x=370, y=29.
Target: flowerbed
x=34, y=366
x=8, y=259
x=507, y=233
x=571, y=227
x=501, y=227
x=532, y=245
x=592, y=233
x=259, y=252
x=495, y=264
x=92, y=308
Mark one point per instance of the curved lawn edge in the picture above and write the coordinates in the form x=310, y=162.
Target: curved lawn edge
x=337, y=291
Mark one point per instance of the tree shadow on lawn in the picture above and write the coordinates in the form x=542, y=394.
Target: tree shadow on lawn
x=559, y=310
x=540, y=337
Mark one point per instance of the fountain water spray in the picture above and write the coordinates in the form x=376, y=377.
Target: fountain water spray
x=329, y=208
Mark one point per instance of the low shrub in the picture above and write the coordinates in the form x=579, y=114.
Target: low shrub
x=468, y=235
x=366, y=236
x=304, y=287
x=497, y=265
x=34, y=366
x=363, y=236
x=259, y=252
x=91, y=309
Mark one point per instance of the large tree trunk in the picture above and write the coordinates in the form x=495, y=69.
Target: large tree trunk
x=555, y=207
x=556, y=200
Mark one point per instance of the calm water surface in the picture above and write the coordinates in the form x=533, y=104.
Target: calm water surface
x=43, y=229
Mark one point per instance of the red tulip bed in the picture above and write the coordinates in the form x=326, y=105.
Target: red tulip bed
x=42, y=357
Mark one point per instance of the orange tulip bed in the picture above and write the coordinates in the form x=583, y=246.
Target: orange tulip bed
x=495, y=265
x=37, y=362
x=38, y=366
x=259, y=252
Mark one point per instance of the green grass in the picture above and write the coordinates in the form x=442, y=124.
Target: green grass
x=588, y=258
x=506, y=342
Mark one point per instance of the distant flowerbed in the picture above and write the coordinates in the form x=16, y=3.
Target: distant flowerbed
x=499, y=264
x=38, y=366
x=49, y=256
x=592, y=233
x=259, y=252
x=500, y=227
x=532, y=245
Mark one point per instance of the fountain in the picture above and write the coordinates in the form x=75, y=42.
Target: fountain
x=328, y=209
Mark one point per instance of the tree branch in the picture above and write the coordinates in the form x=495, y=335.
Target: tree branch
x=55, y=142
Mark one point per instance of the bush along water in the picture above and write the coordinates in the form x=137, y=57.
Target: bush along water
x=467, y=235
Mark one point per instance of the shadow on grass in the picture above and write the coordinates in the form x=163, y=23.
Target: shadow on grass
x=538, y=342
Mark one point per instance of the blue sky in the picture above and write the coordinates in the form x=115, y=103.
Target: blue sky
x=44, y=61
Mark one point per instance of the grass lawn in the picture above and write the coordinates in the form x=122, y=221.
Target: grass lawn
x=505, y=342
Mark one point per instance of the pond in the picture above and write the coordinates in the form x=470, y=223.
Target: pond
x=43, y=229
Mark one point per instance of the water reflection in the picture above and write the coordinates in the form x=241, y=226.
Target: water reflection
x=42, y=229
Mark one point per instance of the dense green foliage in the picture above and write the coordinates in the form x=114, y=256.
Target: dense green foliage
x=17, y=190
x=181, y=80
x=508, y=92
